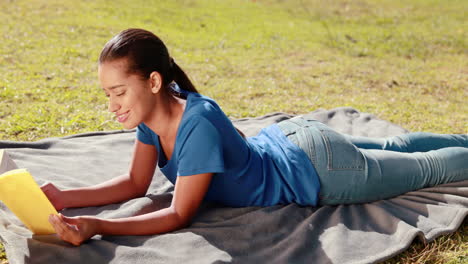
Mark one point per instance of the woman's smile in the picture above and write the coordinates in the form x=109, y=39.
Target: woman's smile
x=122, y=117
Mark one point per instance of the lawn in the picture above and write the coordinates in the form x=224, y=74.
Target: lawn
x=405, y=61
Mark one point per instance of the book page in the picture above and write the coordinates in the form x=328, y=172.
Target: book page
x=6, y=163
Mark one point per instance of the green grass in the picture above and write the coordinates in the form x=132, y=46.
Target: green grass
x=3, y=259
x=405, y=61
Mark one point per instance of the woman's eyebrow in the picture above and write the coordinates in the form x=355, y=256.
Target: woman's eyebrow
x=113, y=87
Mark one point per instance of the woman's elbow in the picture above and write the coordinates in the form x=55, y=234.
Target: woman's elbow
x=140, y=192
x=137, y=191
x=181, y=220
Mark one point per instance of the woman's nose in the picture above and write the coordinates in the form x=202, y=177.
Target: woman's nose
x=113, y=106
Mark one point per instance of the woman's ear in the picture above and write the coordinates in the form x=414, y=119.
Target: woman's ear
x=156, y=82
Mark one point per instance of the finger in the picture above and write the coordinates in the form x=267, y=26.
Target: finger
x=68, y=226
x=70, y=220
x=60, y=226
x=55, y=224
x=66, y=232
x=52, y=222
x=69, y=233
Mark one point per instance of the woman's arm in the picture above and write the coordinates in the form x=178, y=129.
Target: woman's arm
x=188, y=195
x=124, y=187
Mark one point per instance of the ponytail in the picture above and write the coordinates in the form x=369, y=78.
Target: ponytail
x=145, y=53
x=181, y=78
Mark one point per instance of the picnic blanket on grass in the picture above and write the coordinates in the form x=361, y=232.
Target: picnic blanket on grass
x=362, y=233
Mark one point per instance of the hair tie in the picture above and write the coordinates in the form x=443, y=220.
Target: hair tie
x=171, y=63
x=171, y=74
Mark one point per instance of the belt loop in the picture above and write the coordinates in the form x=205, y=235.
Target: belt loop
x=288, y=126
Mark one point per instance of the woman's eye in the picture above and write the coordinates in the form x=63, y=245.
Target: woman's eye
x=120, y=94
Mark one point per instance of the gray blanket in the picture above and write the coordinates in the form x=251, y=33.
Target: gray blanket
x=365, y=233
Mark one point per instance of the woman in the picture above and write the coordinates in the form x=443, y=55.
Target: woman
x=199, y=150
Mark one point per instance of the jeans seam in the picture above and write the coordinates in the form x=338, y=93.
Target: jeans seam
x=310, y=148
x=327, y=146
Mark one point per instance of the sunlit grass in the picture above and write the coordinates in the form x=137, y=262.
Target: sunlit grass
x=3, y=259
x=405, y=61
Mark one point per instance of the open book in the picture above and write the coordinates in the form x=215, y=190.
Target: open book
x=21, y=194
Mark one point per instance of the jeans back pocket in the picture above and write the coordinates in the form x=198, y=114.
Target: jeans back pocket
x=341, y=153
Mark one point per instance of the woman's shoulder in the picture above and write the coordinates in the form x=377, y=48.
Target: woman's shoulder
x=201, y=105
x=203, y=111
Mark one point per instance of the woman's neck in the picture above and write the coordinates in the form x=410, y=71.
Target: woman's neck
x=166, y=116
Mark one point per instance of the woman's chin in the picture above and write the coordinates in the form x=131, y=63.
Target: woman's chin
x=128, y=125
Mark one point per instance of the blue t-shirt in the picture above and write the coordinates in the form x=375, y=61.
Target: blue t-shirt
x=263, y=170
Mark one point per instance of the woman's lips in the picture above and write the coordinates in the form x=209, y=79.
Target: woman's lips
x=122, y=117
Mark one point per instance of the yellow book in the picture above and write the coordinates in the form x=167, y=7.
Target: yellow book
x=21, y=194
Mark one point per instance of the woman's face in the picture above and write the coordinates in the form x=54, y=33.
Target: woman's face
x=130, y=96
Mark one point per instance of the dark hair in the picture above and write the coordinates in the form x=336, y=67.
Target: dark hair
x=145, y=53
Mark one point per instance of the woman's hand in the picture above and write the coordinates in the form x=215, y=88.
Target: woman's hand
x=54, y=195
x=74, y=230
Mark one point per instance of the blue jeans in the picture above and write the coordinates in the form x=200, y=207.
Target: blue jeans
x=361, y=169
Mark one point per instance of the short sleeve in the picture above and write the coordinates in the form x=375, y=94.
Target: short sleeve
x=200, y=149
x=144, y=135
